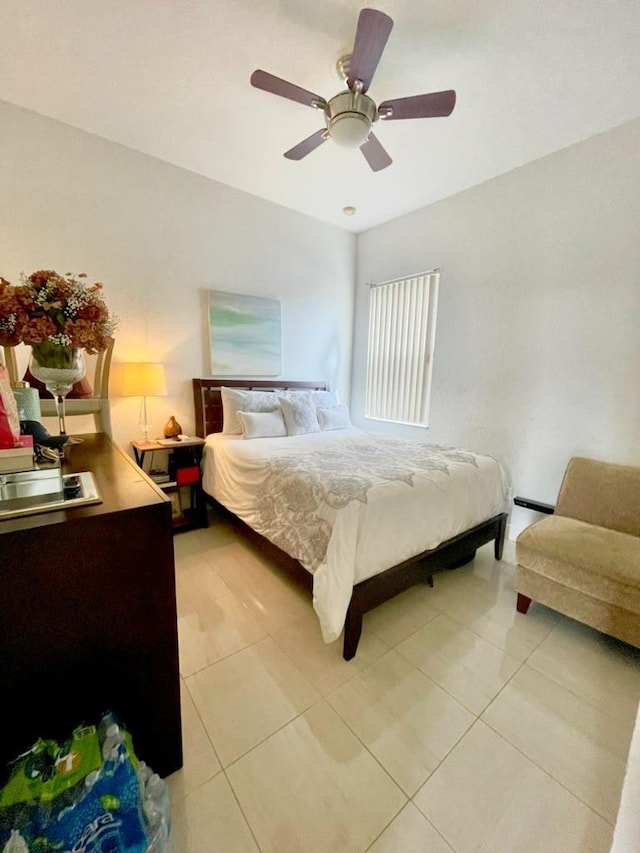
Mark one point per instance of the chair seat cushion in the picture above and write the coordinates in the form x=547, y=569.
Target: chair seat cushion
x=595, y=560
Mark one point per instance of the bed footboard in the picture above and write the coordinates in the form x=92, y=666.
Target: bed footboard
x=380, y=588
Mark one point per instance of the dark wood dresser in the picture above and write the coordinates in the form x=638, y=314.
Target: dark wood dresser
x=88, y=614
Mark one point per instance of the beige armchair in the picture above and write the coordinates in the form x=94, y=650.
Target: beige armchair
x=584, y=560
x=97, y=405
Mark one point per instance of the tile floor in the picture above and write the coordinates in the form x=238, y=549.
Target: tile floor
x=460, y=725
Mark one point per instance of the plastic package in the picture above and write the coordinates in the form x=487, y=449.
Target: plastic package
x=90, y=795
x=155, y=803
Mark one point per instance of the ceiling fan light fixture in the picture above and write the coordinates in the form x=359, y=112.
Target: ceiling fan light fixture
x=349, y=130
x=349, y=118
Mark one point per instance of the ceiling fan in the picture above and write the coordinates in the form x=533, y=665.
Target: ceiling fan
x=350, y=115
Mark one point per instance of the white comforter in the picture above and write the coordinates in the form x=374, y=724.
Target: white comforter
x=348, y=504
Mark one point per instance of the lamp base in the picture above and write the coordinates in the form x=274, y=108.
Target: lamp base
x=146, y=429
x=144, y=421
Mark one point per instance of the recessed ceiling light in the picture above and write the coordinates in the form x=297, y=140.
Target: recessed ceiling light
x=348, y=210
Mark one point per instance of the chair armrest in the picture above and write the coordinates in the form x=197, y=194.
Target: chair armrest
x=538, y=506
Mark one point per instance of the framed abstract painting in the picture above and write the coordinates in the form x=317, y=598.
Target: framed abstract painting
x=244, y=335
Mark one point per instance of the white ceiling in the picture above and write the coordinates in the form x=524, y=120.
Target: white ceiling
x=170, y=78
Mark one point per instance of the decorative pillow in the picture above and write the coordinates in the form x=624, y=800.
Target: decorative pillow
x=324, y=399
x=299, y=414
x=333, y=417
x=262, y=424
x=236, y=400
x=318, y=398
x=79, y=391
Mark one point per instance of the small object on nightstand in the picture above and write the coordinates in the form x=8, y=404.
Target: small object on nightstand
x=183, y=463
x=172, y=428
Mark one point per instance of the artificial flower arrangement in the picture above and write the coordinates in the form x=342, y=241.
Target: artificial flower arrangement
x=55, y=315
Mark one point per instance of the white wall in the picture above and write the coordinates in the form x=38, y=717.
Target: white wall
x=537, y=354
x=537, y=342
x=158, y=237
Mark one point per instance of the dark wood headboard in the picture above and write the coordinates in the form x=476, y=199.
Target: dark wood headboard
x=208, y=401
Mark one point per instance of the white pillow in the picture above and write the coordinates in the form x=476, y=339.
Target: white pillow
x=262, y=424
x=299, y=414
x=236, y=400
x=318, y=398
x=333, y=417
x=324, y=399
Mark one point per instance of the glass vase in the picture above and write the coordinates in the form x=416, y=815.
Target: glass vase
x=58, y=368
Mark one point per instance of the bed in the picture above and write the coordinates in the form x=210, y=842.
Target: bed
x=367, y=516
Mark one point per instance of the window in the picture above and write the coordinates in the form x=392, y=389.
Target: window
x=402, y=317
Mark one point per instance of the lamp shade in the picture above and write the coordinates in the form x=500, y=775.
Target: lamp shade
x=143, y=379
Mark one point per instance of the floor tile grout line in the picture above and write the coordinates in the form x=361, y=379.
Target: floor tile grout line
x=242, y=812
x=546, y=772
x=499, y=562
x=215, y=752
x=565, y=687
x=337, y=713
x=225, y=657
x=274, y=732
x=411, y=797
x=446, y=841
x=466, y=731
x=321, y=696
x=419, y=628
x=477, y=717
x=395, y=817
x=325, y=696
x=491, y=642
x=284, y=725
x=422, y=672
x=364, y=745
x=366, y=748
x=528, y=757
x=481, y=637
x=556, y=681
x=448, y=692
x=202, y=723
x=217, y=757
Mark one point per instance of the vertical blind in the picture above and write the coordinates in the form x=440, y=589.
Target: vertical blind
x=401, y=337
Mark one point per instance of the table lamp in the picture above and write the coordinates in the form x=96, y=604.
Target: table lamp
x=143, y=379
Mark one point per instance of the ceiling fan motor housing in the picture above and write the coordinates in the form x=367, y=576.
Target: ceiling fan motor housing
x=349, y=118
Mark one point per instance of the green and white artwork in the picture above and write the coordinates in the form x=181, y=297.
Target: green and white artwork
x=244, y=335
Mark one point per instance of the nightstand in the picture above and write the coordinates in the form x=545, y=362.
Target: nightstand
x=183, y=467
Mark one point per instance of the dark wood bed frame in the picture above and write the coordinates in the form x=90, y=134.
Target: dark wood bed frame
x=380, y=588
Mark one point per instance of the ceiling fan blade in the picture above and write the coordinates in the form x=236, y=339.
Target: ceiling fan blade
x=277, y=86
x=375, y=154
x=307, y=145
x=372, y=33
x=419, y=106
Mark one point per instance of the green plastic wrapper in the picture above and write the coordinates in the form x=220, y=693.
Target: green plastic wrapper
x=48, y=771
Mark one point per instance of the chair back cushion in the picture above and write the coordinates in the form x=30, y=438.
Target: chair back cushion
x=80, y=390
x=601, y=493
